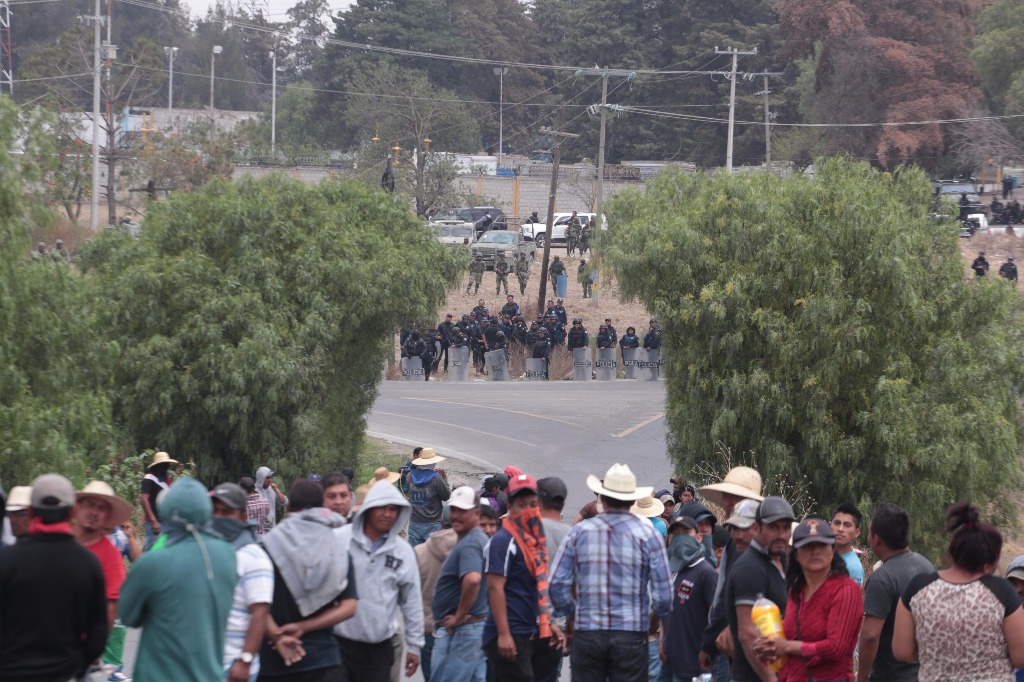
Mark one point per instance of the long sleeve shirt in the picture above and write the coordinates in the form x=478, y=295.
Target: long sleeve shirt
x=618, y=563
x=829, y=627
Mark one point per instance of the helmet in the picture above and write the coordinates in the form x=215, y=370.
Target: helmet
x=60, y=242
x=501, y=255
x=465, y=316
x=603, y=326
x=500, y=335
x=542, y=330
x=577, y=319
x=478, y=256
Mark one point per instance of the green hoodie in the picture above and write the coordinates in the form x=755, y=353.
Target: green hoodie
x=181, y=595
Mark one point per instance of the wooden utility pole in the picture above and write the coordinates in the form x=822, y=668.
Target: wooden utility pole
x=558, y=135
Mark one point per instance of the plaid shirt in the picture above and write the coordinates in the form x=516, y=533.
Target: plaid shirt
x=257, y=509
x=611, y=559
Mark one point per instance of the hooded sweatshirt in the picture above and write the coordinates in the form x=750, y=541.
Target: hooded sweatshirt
x=431, y=555
x=180, y=595
x=267, y=494
x=427, y=491
x=387, y=574
x=693, y=590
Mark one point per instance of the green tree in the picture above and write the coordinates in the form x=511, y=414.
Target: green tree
x=999, y=54
x=824, y=325
x=54, y=408
x=254, y=318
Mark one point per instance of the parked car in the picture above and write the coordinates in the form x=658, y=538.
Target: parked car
x=453, y=235
x=538, y=230
x=469, y=216
x=509, y=242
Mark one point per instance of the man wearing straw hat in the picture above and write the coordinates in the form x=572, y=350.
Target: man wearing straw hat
x=614, y=560
x=428, y=491
x=153, y=483
x=741, y=483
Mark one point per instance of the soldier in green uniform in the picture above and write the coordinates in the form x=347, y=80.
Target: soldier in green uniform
x=476, y=274
x=501, y=270
x=40, y=252
x=583, y=277
x=522, y=273
x=572, y=235
x=59, y=254
x=557, y=268
x=585, y=234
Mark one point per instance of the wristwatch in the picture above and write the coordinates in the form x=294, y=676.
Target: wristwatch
x=246, y=657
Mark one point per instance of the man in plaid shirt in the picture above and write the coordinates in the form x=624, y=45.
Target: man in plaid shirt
x=615, y=560
x=256, y=506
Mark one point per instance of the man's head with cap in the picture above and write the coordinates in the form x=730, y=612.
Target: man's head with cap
x=229, y=500
x=465, y=510
x=1015, y=574
x=522, y=494
x=552, y=492
x=681, y=524
x=773, y=525
x=18, y=503
x=52, y=498
x=741, y=524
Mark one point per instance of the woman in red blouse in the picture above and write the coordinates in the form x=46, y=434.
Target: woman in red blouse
x=823, y=613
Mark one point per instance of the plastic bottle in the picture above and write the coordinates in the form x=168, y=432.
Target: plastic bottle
x=768, y=618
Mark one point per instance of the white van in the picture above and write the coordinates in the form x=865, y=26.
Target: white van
x=538, y=230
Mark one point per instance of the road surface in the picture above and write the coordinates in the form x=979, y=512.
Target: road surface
x=560, y=428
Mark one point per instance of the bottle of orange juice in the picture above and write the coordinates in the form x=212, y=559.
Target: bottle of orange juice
x=768, y=618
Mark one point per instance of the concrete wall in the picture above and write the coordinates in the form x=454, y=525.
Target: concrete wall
x=514, y=195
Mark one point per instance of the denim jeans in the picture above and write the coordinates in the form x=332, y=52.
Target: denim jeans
x=426, y=655
x=653, y=660
x=720, y=668
x=612, y=655
x=151, y=535
x=458, y=657
x=418, y=532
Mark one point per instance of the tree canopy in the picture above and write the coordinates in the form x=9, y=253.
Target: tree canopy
x=252, y=318
x=824, y=325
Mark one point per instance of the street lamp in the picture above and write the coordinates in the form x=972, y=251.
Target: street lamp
x=217, y=49
x=273, y=100
x=171, y=52
x=500, y=72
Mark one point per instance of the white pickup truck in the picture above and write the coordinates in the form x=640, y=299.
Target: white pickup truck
x=539, y=230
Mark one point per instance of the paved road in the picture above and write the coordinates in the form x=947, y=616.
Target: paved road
x=562, y=428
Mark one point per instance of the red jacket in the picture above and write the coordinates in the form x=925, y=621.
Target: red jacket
x=829, y=627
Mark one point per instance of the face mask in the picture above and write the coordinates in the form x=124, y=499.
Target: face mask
x=227, y=528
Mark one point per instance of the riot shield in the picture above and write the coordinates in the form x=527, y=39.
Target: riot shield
x=497, y=365
x=647, y=364
x=412, y=369
x=629, y=362
x=607, y=366
x=536, y=369
x=458, y=364
x=581, y=364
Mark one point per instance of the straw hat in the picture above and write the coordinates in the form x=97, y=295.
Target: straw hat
x=382, y=474
x=427, y=456
x=619, y=483
x=648, y=506
x=120, y=510
x=162, y=458
x=740, y=481
x=361, y=495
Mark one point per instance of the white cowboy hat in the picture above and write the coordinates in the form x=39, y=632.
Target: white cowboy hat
x=382, y=474
x=619, y=483
x=427, y=456
x=740, y=481
x=161, y=458
x=648, y=506
x=120, y=510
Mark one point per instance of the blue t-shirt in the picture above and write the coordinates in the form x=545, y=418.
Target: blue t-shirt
x=466, y=557
x=521, y=599
x=854, y=567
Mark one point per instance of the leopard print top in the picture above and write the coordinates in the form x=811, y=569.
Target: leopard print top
x=959, y=628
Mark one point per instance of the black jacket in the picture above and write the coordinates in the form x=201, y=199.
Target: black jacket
x=578, y=338
x=53, y=609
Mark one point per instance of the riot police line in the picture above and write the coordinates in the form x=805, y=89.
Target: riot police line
x=637, y=363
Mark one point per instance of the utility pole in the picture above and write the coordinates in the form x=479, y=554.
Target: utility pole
x=732, y=100
x=6, y=55
x=170, y=52
x=768, y=116
x=500, y=72
x=273, y=99
x=94, y=200
x=598, y=223
x=557, y=134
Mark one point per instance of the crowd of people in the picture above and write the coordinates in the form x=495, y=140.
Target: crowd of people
x=334, y=581
x=481, y=331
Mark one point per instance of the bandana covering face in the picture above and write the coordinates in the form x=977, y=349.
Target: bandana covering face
x=527, y=530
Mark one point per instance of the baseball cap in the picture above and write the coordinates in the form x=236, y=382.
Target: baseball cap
x=51, y=492
x=521, y=483
x=247, y=484
x=19, y=499
x=698, y=512
x=744, y=514
x=552, y=488
x=813, y=530
x=230, y=494
x=682, y=520
x=1015, y=570
x=464, y=498
x=774, y=509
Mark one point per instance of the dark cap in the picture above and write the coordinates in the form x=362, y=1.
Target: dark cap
x=551, y=489
x=501, y=479
x=774, y=509
x=813, y=530
x=684, y=521
x=247, y=484
x=698, y=512
x=230, y=494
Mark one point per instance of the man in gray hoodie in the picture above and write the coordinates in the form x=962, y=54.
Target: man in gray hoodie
x=388, y=577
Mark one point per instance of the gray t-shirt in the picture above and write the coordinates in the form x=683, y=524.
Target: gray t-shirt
x=466, y=557
x=881, y=594
x=427, y=499
x=554, y=534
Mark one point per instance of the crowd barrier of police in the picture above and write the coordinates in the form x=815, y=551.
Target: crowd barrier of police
x=637, y=363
